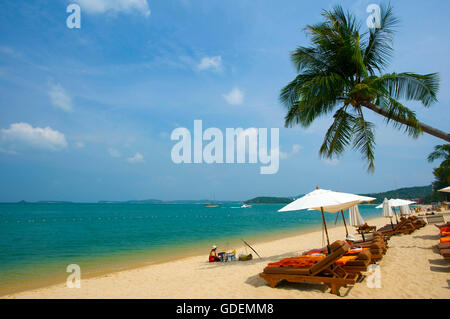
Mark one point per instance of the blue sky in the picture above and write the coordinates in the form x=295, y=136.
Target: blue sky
x=86, y=114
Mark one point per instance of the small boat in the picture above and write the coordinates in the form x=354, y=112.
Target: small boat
x=246, y=206
x=211, y=205
x=214, y=204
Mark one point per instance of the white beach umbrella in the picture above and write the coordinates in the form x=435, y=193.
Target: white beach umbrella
x=395, y=202
x=328, y=201
x=405, y=210
x=355, y=217
x=446, y=190
x=387, y=211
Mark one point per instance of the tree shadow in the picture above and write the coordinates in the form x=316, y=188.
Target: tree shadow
x=256, y=281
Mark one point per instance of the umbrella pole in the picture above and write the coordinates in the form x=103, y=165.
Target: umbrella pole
x=362, y=234
x=395, y=213
x=392, y=224
x=343, y=218
x=326, y=230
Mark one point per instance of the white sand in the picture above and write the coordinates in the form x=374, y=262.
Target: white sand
x=411, y=268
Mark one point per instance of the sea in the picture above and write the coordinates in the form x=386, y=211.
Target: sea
x=38, y=241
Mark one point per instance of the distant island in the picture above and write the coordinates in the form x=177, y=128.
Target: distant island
x=422, y=194
x=270, y=200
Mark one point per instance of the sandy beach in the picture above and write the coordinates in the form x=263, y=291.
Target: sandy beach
x=411, y=268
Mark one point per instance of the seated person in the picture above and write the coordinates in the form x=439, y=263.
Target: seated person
x=213, y=255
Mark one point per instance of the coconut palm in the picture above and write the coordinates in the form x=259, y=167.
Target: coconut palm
x=442, y=173
x=342, y=73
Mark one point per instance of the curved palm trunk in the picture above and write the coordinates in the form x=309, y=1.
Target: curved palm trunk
x=426, y=128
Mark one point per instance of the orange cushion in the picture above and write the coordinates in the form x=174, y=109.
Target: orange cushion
x=298, y=262
x=343, y=260
x=445, y=239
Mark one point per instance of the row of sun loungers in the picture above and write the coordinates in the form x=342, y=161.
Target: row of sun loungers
x=444, y=241
x=329, y=270
x=344, y=265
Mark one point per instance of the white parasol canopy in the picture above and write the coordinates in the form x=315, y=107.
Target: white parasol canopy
x=355, y=216
x=330, y=201
x=396, y=202
x=446, y=190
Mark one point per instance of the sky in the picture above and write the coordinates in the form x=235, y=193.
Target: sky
x=86, y=114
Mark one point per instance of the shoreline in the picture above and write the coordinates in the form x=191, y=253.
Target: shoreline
x=166, y=256
x=312, y=234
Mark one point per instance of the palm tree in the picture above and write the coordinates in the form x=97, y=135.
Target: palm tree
x=442, y=173
x=343, y=69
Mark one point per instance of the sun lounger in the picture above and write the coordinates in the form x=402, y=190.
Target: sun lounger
x=403, y=227
x=419, y=223
x=360, y=264
x=438, y=218
x=442, y=225
x=375, y=249
x=444, y=246
x=445, y=253
x=325, y=271
x=363, y=229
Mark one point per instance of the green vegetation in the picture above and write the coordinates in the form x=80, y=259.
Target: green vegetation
x=418, y=192
x=441, y=173
x=343, y=70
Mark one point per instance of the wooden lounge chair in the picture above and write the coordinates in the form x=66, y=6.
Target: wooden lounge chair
x=375, y=249
x=363, y=229
x=419, y=223
x=325, y=271
x=403, y=227
x=434, y=219
x=360, y=264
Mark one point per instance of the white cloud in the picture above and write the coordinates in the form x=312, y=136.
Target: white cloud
x=23, y=135
x=295, y=149
x=60, y=98
x=114, y=153
x=214, y=62
x=330, y=162
x=137, y=158
x=115, y=6
x=235, y=97
x=79, y=144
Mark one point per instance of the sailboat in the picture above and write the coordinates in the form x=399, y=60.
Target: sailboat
x=214, y=204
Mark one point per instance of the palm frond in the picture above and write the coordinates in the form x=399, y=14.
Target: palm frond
x=378, y=48
x=400, y=116
x=364, y=139
x=411, y=86
x=338, y=135
x=440, y=152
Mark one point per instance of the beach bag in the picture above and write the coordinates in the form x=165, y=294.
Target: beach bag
x=243, y=257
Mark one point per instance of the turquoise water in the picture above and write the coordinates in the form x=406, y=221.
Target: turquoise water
x=38, y=241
